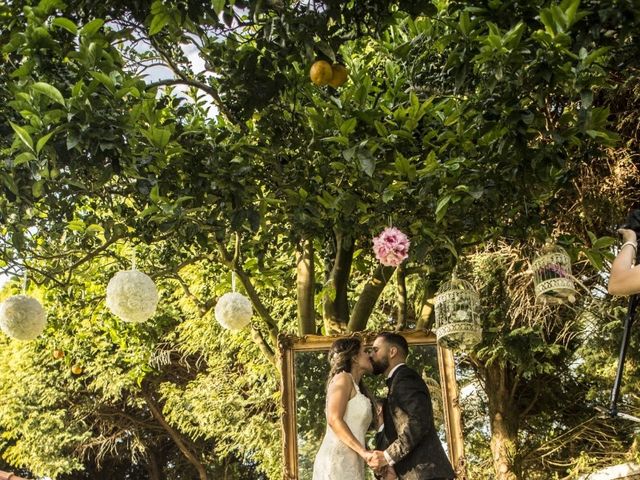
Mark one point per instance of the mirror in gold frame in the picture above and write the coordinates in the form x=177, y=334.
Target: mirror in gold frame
x=304, y=369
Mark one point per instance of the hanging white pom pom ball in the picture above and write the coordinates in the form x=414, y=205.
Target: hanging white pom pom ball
x=22, y=317
x=132, y=296
x=233, y=311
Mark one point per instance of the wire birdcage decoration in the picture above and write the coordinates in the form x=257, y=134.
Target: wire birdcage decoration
x=552, y=276
x=457, y=307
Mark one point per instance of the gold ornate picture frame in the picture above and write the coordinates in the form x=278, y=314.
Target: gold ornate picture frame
x=290, y=346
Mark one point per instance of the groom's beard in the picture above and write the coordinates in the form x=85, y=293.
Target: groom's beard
x=380, y=366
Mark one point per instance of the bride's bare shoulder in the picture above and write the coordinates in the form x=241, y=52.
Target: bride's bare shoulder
x=341, y=379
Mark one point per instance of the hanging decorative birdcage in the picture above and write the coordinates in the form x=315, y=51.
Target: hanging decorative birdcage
x=552, y=275
x=457, y=307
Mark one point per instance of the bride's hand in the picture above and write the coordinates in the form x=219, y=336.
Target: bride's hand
x=366, y=454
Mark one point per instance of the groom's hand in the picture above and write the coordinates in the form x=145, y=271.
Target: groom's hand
x=389, y=474
x=377, y=459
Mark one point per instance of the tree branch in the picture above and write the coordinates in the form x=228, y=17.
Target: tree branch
x=201, y=305
x=183, y=79
x=368, y=298
x=336, y=309
x=91, y=255
x=175, y=436
x=257, y=337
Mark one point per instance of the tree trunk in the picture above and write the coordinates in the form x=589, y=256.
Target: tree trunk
x=401, y=298
x=368, y=298
x=305, y=285
x=504, y=422
x=153, y=468
x=336, y=306
x=426, y=318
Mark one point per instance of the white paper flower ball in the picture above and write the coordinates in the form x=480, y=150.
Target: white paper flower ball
x=233, y=311
x=22, y=317
x=132, y=296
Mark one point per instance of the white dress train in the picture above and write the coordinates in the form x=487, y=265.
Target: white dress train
x=336, y=461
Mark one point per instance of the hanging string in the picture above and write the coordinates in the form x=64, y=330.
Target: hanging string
x=233, y=281
x=454, y=276
x=24, y=282
x=133, y=259
x=394, y=274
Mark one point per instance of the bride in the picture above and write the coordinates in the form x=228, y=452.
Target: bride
x=349, y=412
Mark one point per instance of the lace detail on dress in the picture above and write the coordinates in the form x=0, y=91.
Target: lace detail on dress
x=336, y=461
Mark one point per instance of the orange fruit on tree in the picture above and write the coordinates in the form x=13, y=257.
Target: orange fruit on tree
x=58, y=354
x=339, y=75
x=321, y=73
x=76, y=369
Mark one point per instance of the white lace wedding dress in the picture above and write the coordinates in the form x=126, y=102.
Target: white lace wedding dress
x=336, y=461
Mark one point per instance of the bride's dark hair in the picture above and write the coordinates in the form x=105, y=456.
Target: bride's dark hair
x=341, y=355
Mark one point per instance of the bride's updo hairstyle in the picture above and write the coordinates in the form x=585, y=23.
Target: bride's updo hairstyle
x=341, y=353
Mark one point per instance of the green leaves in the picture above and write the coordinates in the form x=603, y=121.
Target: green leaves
x=159, y=137
x=23, y=157
x=65, y=24
x=104, y=79
x=348, y=127
x=599, y=251
x=559, y=18
x=218, y=6
x=442, y=206
x=23, y=135
x=48, y=90
x=405, y=167
x=366, y=161
x=362, y=156
x=42, y=142
x=158, y=23
x=464, y=24
x=92, y=27
x=462, y=127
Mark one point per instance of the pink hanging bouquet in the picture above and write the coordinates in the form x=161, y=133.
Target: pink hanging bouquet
x=391, y=247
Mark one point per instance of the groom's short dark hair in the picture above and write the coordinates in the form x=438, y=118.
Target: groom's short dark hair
x=396, y=340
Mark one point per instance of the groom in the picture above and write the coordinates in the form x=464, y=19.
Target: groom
x=412, y=444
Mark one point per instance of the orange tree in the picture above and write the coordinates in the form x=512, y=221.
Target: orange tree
x=463, y=126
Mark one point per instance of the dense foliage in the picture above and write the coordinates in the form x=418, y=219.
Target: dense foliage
x=187, y=134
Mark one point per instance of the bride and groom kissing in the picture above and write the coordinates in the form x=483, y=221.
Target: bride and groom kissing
x=407, y=444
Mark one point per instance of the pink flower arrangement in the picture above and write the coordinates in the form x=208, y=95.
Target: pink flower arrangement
x=391, y=247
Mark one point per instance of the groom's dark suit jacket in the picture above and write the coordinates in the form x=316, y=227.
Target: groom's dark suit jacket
x=410, y=435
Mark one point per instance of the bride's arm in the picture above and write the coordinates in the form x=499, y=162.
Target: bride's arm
x=338, y=395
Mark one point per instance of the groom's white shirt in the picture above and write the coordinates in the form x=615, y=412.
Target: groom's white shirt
x=393, y=370
x=386, y=455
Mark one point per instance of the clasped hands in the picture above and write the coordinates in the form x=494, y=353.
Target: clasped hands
x=378, y=462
